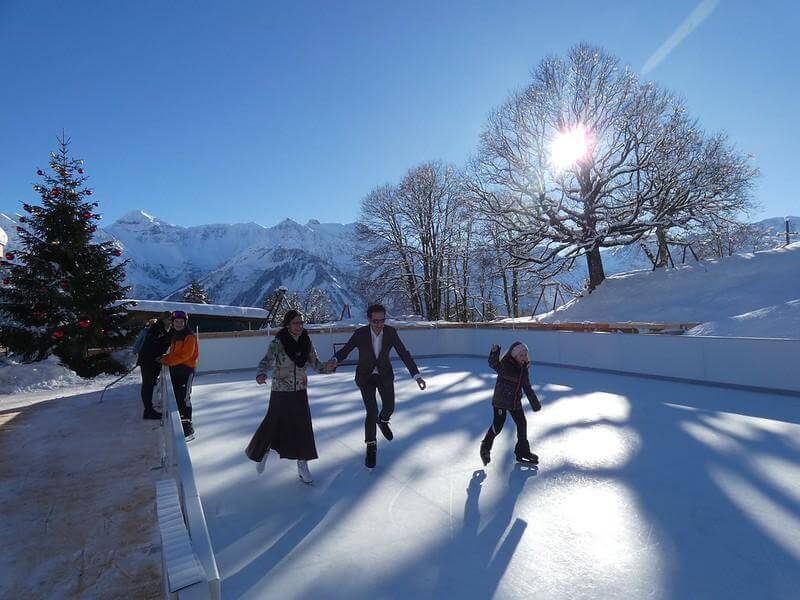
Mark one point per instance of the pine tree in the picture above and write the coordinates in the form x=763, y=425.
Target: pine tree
x=196, y=293
x=63, y=292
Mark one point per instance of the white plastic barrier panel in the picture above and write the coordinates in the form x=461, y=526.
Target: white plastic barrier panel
x=759, y=363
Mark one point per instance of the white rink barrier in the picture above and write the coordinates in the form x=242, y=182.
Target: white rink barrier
x=753, y=363
x=178, y=464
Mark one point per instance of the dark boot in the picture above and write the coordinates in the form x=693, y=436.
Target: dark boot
x=523, y=453
x=372, y=455
x=151, y=413
x=486, y=447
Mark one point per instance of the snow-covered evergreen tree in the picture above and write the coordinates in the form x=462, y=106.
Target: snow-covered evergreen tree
x=62, y=294
x=196, y=293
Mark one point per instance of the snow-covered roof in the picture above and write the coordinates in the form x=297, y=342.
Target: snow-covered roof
x=213, y=310
x=3, y=237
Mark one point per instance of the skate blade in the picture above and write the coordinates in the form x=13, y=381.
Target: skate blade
x=304, y=481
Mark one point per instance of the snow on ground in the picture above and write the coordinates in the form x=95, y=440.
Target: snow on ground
x=77, y=496
x=752, y=295
x=645, y=489
x=44, y=375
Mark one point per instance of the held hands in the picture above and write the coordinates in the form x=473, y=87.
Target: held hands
x=261, y=379
x=329, y=367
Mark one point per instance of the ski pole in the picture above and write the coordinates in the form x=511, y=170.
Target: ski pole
x=117, y=380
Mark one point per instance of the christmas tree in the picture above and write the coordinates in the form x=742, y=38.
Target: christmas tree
x=63, y=289
x=196, y=293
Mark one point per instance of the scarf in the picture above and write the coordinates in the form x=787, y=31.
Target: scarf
x=297, y=350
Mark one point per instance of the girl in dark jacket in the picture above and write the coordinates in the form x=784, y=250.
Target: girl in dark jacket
x=512, y=381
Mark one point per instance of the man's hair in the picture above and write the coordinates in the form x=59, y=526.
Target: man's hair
x=374, y=308
x=165, y=315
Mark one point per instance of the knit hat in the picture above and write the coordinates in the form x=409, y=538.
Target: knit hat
x=517, y=348
x=179, y=314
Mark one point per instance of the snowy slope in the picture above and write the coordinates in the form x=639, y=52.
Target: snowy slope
x=747, y=294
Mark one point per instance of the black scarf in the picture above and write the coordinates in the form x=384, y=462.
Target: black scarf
x=297, y=350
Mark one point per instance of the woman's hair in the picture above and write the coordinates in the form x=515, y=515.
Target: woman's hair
x=291, y=314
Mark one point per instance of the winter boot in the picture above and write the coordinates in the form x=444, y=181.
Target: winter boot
x=188, y=429
x=385, y=430
x=486, y=447
x=151, y=413
x=302, y=471
x=523, y=453
x=372, y=455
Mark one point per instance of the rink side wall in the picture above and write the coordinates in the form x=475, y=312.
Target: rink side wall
x=768, y=364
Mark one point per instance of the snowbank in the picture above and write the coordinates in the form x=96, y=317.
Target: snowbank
x=47, y=374
x=212, y=310
x=751, y=295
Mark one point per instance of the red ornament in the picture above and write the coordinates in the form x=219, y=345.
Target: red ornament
x=89, y=192
x=117, y=252
x=56, y=192
x=64, y=285
x=26, y=207
x=10, y=255
x=43, y=289
x=84, y=324
x=80, y=171
x=58, y=334
x=102, y=332
x=6, y=281
x=92, y=229
x=20, y=230
x=87, y=215
x=22, y=219
x=63, y=172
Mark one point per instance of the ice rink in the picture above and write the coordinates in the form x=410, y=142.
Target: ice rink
x=646, y=489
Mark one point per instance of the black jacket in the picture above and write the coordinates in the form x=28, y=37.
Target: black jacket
x=155, y=344
x=512, y=381
x=362, y=339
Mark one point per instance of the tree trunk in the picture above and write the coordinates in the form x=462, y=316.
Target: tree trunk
x=594, y=264
x=663, y=248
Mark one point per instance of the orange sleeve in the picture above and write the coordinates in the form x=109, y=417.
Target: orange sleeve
x=184, y=352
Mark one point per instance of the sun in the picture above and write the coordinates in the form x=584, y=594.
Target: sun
x=570, y=146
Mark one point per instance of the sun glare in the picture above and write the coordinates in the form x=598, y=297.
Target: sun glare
x=570, y=146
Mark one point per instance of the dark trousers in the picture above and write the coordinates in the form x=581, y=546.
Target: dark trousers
x=182, y=377
x=499, y=420
x=385, y=387
x=150, y=374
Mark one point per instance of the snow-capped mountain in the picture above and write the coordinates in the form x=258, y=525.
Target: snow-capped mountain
x=238, y=264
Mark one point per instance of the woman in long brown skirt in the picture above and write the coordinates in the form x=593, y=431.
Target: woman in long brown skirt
x=287, y=427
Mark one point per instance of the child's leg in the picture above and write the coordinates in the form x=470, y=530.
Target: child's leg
x=522, y=425
x=497, y=425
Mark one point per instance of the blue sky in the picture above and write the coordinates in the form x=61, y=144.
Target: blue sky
x=218, y=112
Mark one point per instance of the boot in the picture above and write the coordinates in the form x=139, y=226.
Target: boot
x=151, y=413
x=372, y=455
x=302, y=471
x=486, y=447
x=523, y=453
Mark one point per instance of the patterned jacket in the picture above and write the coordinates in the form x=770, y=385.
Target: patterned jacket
x=287, y=376
x=512, y=381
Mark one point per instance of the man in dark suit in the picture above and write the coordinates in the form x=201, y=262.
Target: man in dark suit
x=374, y=373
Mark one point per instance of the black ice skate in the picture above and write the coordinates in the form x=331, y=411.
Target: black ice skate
x=385, y=430
x=372, y=455
x=188, y=429
x=524, y=454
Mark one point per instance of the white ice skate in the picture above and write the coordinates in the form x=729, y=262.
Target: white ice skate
x=260, y=466
x=302, y=471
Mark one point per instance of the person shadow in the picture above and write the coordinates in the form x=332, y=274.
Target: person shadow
x=477, y=559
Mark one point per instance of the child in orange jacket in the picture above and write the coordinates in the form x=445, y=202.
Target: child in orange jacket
x=182, y=360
